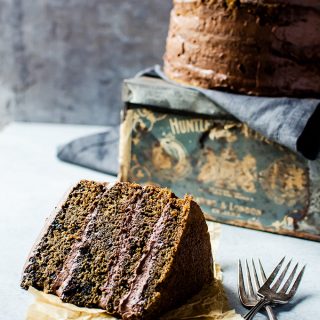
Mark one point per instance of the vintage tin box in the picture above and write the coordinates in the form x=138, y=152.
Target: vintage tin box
x=175, y=137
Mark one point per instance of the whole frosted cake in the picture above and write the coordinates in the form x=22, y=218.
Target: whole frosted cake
x=134, y=251
x=259, y=47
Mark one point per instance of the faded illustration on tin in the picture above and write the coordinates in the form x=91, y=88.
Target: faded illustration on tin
x=168, y=156
x=235, y=174
x=290, y=190
x=228, y=171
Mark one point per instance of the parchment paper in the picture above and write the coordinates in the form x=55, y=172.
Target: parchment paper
x=210, y=304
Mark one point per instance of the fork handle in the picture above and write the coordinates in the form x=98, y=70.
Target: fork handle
x=270, y=313
x=256, y=308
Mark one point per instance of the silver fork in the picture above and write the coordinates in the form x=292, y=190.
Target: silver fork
x=272, y=294
x=250, y=298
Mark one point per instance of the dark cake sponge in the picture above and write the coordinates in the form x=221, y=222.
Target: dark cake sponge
x=134, y=251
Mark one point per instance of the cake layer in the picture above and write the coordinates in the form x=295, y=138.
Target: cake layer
x=90, y=261
x=170, y=271
x=145, y=212
x=268, y=47
x=63, y=229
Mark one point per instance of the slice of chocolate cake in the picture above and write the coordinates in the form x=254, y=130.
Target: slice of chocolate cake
x=134, y=251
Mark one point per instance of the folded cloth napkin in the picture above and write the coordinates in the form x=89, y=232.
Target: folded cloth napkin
x=291, y=122
x=96, y=151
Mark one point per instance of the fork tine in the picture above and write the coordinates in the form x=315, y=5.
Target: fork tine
x=276, y=286
x=257, y=282
x=289, y=280
x=274, y=273
x=296, y=283
x=242, y=290
x=263, y=274
x=249, y=281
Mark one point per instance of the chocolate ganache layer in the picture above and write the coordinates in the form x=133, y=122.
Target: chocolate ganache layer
x=266, y=47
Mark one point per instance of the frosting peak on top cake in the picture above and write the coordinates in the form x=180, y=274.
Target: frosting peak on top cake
x=266, y=47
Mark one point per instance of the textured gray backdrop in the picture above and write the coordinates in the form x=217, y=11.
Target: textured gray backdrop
x=64, y=60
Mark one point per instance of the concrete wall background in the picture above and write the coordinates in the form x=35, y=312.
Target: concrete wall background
x=64, y=60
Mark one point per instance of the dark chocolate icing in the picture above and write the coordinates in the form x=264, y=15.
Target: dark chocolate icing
x=265, y=47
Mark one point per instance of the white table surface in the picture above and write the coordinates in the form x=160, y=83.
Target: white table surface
x=32, y=180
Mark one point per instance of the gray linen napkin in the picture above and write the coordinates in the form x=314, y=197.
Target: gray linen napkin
x=291, y=122
x=283, y=120
x=97, y=151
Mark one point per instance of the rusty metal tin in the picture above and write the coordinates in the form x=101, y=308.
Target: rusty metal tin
x=236, y=175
